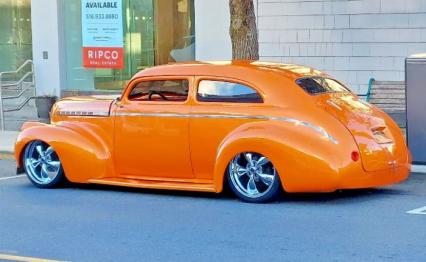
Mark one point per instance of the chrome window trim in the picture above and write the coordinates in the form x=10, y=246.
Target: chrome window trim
x=296, y=122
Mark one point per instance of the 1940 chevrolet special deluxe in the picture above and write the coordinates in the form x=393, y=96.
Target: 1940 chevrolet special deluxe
x=258, y=127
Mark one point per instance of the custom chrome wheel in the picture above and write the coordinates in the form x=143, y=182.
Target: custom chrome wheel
x=253, y=177
x=42, y=165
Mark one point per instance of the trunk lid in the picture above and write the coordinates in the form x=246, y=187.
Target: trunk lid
x=379, y=139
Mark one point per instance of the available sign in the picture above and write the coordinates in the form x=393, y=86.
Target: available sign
x=102, y=30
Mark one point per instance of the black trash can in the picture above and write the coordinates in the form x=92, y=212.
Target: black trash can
x=416, y=106
x=44, y=105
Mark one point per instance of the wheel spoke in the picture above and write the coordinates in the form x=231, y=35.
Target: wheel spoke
x=239, y=170
x=267, y=179
x=249, y=158
x=55, y=164
x=47, y=173
x=44, y=172
x=251, y=187
x=262, y=161
x=39, y=149
x=48, y=151
x=34, y=162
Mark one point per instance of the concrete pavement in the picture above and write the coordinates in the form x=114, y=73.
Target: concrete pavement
x=7, y=141
x=101, y=223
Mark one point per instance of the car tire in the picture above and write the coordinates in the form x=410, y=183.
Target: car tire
x=42, y=165
x=253, y=178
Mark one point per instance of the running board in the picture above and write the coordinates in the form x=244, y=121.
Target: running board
x=167, y=185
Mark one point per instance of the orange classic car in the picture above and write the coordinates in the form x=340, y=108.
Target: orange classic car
x=256, y=127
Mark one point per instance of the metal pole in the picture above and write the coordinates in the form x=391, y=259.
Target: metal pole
x=1, y=104
x=33, y=78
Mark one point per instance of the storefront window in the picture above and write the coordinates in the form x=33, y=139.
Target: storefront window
x=15, y=33
x=155, y=32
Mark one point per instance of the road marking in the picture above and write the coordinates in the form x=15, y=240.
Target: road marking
x=11, y=177
x=418, y=211
x=24, y=259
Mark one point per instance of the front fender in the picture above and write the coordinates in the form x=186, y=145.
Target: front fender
x=306, y=161
x=83, y=155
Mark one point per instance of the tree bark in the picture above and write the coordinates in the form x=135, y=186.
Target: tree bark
x=243, y=30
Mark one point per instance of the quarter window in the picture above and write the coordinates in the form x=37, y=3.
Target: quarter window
x=221, y=91
x=160, y=90
x=320, y=85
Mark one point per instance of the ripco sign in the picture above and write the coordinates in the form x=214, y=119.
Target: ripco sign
x=103, y=57
x=102, y=31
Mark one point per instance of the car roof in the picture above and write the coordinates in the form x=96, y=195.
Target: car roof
x=231, y=68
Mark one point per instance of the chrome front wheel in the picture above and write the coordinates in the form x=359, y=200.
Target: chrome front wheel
x=253, y=177
x=42, y=165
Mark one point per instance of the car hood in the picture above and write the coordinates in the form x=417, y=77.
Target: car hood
x=96, y=105
x=380, y=141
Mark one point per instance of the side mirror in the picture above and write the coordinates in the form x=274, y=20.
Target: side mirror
x=117, y=101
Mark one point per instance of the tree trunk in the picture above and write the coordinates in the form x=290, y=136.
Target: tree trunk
x=243, y=30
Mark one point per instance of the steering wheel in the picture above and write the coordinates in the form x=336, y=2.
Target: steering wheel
x=153, y=92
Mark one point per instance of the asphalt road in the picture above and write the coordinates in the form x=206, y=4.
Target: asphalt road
x=98, y=223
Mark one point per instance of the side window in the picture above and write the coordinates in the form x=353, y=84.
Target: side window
x=160, y=90
x=221, y=91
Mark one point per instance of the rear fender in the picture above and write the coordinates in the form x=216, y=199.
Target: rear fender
x=299, y=154
x=83, y=154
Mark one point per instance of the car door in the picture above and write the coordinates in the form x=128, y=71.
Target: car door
x=151, y=129
x=221, y=105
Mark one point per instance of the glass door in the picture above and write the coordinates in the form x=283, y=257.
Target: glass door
x=174, y=31
x=15, y=33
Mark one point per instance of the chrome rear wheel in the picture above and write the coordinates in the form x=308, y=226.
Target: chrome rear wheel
x=253, y=177
x=42, y=165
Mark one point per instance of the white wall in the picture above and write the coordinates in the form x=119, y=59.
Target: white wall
x=45, y=32
x=212, y=30
x=352, y=40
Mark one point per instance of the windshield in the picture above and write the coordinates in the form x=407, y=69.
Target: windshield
x=320, y=85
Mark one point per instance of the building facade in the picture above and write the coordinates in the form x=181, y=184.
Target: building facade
x=353, y=40
x=154, y=32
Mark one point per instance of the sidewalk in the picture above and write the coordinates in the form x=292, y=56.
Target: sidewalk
x=7, y=141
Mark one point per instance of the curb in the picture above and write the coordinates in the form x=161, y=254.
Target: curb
x=6, y=155
x=418, y=169
x=6, y=151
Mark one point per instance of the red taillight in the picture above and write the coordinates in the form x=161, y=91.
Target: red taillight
x=355, y=156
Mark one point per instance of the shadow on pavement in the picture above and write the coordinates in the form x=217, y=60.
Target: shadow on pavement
x=344, y=195
x=338, y=196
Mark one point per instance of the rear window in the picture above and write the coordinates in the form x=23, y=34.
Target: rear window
x=321, y=85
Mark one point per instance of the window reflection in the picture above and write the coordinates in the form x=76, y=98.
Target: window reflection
x=155, y=32
x=15, y=33
x=221, y=91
